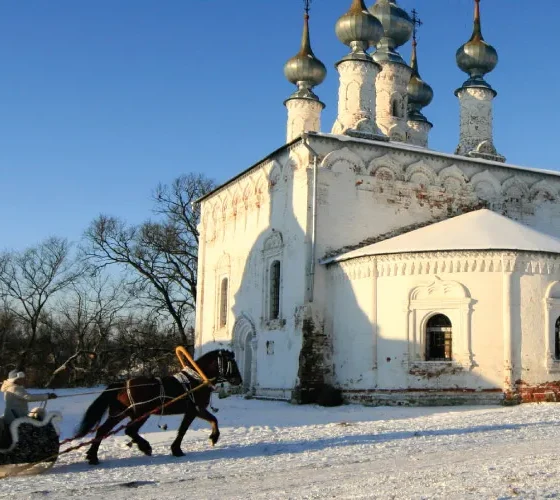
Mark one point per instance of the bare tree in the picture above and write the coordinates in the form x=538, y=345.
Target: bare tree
x=87, y=314
x=28, y=279
x=176, y=203
x=162, y=255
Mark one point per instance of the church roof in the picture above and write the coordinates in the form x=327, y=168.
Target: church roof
x=478, y=230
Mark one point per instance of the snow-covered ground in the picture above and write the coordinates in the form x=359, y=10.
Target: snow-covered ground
x=271, y=450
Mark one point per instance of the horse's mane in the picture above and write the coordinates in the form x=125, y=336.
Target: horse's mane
x=211, y=355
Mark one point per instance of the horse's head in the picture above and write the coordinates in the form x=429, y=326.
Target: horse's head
x=228, y=371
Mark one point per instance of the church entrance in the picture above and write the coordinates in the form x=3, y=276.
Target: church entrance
x=243, y=345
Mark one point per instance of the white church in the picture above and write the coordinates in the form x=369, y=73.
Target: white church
x=356, y=256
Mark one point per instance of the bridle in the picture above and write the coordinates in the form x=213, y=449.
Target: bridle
x=224, y=373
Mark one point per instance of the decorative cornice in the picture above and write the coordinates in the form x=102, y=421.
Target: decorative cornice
x=431, y=263
x=431, y=155
x=447, y=177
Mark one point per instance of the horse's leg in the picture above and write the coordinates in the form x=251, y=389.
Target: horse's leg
x=187, y=421
x=206, y=415
x=132, y=431
x=91, y=454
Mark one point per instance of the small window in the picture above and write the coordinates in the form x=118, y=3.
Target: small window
x=223, y=302
x=275, y=290
x=557, y=339
x=395, y=109
x=438, y=339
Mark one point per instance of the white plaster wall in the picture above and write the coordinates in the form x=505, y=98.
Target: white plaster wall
x=535, y=355
x=236, y=222
x=352, y=326
x=377, y=346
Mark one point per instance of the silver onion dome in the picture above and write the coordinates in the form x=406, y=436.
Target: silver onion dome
x=304, y=69
x=397, y=30
x=420, y=94
x=476, y=57
x=359, y=29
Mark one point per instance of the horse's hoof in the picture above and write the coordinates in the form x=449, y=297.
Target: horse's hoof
x=148, y=452
x=93, y=460
x=178, y=453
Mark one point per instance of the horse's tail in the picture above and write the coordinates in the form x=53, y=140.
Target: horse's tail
x=97, y=409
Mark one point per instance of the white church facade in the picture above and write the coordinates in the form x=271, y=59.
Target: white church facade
x=363, y=259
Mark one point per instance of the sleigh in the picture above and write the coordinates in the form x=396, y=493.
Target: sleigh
x=29, y=446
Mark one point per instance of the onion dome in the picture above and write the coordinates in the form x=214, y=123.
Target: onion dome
x=359, y=30
x=476, y=57
x=304, y=69
x=420, y=94
x=397, y=30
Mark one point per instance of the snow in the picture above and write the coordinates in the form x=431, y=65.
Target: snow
x=478, y=230
x=271, y=449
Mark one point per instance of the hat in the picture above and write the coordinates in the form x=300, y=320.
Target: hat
x=14, y=375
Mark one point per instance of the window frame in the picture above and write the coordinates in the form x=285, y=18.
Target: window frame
x=446, y=332
x=222, y=271
x=273, y=250
x=451, y=299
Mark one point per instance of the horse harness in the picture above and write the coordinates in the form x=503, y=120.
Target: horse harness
x=184, y=378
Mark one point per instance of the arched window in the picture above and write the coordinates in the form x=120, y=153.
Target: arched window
x=223, y=302
x=395, y=108
x=275, y=290
x=557, y=339
x=438, y=339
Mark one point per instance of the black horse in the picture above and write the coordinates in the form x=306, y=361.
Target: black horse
x=137, y=397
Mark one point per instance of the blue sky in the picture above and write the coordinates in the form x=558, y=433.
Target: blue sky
x=101, y=100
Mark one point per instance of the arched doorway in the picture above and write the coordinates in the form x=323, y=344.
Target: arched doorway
x=244, y=346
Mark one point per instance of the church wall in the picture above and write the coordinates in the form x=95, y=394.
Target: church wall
x=352, y=326
x=366, y=192
x=259, y=218
x=538, y=373
x=379, y=308
x=369, y=191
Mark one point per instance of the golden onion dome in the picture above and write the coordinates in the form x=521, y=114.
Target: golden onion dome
x=476, y=57
x=358, y=28
x=304, y=69
x=397, y=30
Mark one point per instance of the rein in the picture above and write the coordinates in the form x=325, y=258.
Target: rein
x=99, y=392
